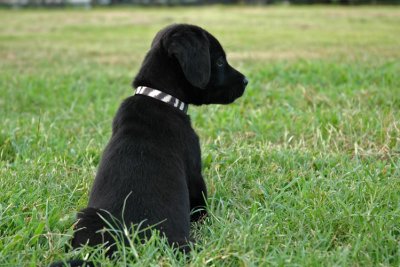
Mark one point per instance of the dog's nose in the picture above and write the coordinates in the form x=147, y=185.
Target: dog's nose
x=245, y=81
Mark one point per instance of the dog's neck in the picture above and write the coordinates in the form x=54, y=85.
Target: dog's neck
x=164, y=97
x=160, y=71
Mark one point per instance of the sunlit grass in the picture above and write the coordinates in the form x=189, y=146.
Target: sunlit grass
x=302, y=170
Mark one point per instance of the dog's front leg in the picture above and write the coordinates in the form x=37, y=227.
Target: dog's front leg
x=198, y=196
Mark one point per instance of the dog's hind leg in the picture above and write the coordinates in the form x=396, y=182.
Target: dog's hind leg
x=88, y=230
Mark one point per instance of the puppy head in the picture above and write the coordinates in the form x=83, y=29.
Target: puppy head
x=226, y=83
x=189, y=45
x=192, y=60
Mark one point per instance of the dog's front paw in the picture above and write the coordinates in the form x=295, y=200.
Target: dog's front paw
x=198, y=215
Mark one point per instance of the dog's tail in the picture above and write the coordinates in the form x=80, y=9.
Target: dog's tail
x=88, y=232
x=73, y=263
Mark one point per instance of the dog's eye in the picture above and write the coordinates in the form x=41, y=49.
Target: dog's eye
x=220, y=62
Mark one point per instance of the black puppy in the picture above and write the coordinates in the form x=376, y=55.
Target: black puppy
x=150, y=172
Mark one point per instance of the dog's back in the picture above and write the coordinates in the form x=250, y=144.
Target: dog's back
x=142, y=178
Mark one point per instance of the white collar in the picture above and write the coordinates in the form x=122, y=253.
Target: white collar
x=164, y=97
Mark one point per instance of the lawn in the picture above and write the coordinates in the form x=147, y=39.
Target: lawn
x=303, y=170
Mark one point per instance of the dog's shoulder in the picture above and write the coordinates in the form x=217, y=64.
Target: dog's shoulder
x=142, y=114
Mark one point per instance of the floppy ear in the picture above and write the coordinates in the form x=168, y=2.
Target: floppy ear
x=191, y=49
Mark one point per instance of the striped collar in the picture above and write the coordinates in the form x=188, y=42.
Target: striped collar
x=166, y=98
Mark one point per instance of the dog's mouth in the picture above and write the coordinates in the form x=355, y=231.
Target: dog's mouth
x=228, y=97
x=241, y=91
x=236, y=93
x=222, y=95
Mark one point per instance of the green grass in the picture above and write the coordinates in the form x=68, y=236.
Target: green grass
x=303, y=170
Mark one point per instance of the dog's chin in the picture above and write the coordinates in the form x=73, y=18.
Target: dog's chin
x=235, y=94
x=224, y=98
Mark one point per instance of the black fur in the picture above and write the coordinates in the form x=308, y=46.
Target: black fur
x=152, y=162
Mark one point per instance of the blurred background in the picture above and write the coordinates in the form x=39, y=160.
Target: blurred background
x=18, y=3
